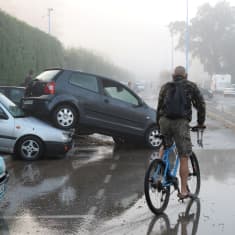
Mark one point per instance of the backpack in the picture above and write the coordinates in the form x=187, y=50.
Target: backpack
x=175, y=102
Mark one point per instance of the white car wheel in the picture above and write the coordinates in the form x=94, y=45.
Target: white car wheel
x=30, y=148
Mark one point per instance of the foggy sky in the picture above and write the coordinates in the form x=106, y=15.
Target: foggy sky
x=131, y=33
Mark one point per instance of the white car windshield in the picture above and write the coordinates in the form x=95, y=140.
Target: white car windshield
x=12, y=108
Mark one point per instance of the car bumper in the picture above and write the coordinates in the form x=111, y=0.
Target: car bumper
x=57, y=148
x=36, y=106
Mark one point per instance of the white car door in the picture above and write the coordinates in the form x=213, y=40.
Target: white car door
x=6, y=130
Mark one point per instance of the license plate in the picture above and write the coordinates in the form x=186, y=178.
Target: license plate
x=28, y=101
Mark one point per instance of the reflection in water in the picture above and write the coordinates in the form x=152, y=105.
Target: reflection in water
x=67, y=195
x=217, y=163
x=30, y=174
x=187, y=222
x=3, y=226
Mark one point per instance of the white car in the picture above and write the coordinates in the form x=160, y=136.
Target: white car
x=28, y=137
x=229, y=90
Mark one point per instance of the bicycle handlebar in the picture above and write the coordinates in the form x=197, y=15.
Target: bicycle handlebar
x=197, y=128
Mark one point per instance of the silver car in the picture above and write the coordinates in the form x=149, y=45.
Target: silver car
x=28, y=137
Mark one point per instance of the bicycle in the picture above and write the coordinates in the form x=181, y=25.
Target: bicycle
x=160, y=177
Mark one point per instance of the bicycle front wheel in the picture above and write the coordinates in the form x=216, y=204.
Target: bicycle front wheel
x=194, y=180
x=157, y=195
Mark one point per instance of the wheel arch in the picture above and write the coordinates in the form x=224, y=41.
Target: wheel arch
x=28, y=135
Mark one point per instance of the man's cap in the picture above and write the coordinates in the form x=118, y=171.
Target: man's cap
x=179, y=71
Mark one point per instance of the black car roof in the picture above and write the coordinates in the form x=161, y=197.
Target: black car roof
x=87, y=73
x=18, y=87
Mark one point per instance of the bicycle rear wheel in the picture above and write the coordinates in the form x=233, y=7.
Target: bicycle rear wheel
x=194, y=180
x=157, y=195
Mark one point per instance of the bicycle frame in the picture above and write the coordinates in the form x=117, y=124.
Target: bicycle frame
x=171, y=172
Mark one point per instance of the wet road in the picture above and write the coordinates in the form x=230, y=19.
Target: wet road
x=99, y=190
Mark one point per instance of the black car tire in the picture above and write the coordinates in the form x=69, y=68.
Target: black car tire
x=30, y=148
x=152, y=139
x=65, y=117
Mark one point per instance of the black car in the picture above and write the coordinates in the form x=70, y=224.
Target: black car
x=14, y=93
x=91, y=104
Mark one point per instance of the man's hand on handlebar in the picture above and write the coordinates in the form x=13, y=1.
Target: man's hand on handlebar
x=198, y=127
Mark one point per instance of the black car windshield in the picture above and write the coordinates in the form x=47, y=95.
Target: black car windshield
x=48, y=75
x=12, y=108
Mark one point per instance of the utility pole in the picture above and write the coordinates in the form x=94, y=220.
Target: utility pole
x=172, y=51
x=49, y=19
x=186, y=39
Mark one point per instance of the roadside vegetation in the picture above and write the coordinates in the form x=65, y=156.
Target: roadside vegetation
x=23, y=48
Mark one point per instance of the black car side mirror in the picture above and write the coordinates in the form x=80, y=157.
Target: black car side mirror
x=140, y=103
x=119, y=89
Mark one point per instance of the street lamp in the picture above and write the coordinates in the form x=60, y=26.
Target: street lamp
x=187, y=38
x=172, y=52
x=49, y=19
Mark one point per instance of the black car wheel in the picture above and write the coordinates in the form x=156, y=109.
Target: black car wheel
x=30, y=148
x=65, y=117
x=152, y=138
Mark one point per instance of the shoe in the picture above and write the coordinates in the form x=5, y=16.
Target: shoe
x=184, y=196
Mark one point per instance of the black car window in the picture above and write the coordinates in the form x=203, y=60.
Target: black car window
x=48, y=75
x=85, y=81
x=117, y=91
x=16, y=94
x=2, y=90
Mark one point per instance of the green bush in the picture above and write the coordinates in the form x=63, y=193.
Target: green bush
x=23, y=48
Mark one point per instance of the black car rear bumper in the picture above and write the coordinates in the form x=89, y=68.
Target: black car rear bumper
x=38, y=107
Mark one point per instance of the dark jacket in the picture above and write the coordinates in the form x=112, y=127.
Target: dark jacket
x=193, y=97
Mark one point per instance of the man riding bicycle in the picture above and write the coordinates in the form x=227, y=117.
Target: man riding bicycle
x=174, y=113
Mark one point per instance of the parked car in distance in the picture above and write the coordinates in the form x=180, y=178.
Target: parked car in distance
x=29, y=137
x=207, y=94
x=14, y=93
x=92, y=104
x=140, y=86
x=229, y=91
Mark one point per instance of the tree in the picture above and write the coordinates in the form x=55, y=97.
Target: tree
x=212, y=36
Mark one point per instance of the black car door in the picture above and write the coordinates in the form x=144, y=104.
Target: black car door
x=123, y=110
x=85, y=88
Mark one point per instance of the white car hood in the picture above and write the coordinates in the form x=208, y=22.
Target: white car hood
x=32, y=125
